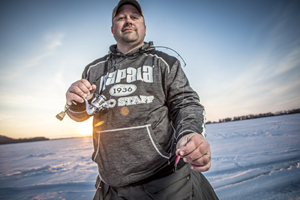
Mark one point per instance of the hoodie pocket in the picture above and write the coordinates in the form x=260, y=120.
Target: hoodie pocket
x=128, y=155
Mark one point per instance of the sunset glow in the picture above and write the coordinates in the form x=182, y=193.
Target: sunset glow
x=85, y=128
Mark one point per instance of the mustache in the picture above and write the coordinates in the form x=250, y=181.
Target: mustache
x=128, y=26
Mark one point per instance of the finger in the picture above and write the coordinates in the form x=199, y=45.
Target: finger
x=94, y=87
x=192, y=144
x=77, y=89
x=184, y=140
x=180, y=145
x=87, y=84
x=73, y=97
x=201, y=161
x=177, y=152
x=91, y=92
x=85, y=87
x=198, y=152
x=83, y=84
x=201, y=168
x=81, y=88
x=69, y=102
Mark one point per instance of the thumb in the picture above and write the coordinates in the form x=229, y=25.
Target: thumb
x=93, y=88
x=69, y=102
x=184, y=140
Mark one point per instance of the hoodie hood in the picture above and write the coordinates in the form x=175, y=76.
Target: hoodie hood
x=147, y=47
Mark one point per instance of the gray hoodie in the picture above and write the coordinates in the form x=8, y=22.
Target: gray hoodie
x=151, y=106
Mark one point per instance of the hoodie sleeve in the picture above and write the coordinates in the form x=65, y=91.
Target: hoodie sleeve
x=187, y=114
x=91, y=73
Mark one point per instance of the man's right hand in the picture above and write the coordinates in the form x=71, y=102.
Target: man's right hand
x=79, y=90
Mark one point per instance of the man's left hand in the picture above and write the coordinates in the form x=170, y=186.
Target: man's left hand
x=194, y=149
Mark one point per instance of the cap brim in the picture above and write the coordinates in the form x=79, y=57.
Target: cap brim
x=122, y=2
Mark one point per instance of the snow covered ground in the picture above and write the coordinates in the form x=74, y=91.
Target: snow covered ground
x=251, y=159
x=256, y=159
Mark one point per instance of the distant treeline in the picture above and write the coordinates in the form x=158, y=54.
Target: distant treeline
x=251, y=116
x=7, y=140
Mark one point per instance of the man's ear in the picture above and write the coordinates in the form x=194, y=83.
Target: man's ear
x=112, y=30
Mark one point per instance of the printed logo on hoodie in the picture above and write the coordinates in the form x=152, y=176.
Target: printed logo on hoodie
x=128, y=75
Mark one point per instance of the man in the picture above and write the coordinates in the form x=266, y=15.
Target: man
x=153, y=116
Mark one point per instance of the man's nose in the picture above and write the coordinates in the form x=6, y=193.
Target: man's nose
x=128, y=20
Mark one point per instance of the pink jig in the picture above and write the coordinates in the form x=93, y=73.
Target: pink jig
x=177, y=159
x=176, y=162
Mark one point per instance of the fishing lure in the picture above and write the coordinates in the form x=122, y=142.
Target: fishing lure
x=176, y=162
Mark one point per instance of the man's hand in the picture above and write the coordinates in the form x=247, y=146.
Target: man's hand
x=79, y=90
x=194, y=149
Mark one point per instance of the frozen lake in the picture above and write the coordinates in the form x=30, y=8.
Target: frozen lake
x=251, y=159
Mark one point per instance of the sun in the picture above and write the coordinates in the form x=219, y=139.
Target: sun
x=85, y=128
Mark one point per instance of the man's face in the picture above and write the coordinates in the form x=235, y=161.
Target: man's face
x=128, y=26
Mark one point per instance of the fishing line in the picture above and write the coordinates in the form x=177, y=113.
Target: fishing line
x=107, y=70
x=184, y=64
x=174, y=52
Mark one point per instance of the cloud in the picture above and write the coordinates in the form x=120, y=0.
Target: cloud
x=270, y=77
x=53, y=40
x=289, y=62
x=13, y=68
x=19, y=101
x=43, y=96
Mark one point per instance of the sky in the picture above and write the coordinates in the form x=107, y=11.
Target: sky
x=242, y=57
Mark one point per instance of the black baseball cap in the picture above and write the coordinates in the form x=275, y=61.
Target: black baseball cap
x=122, y=2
